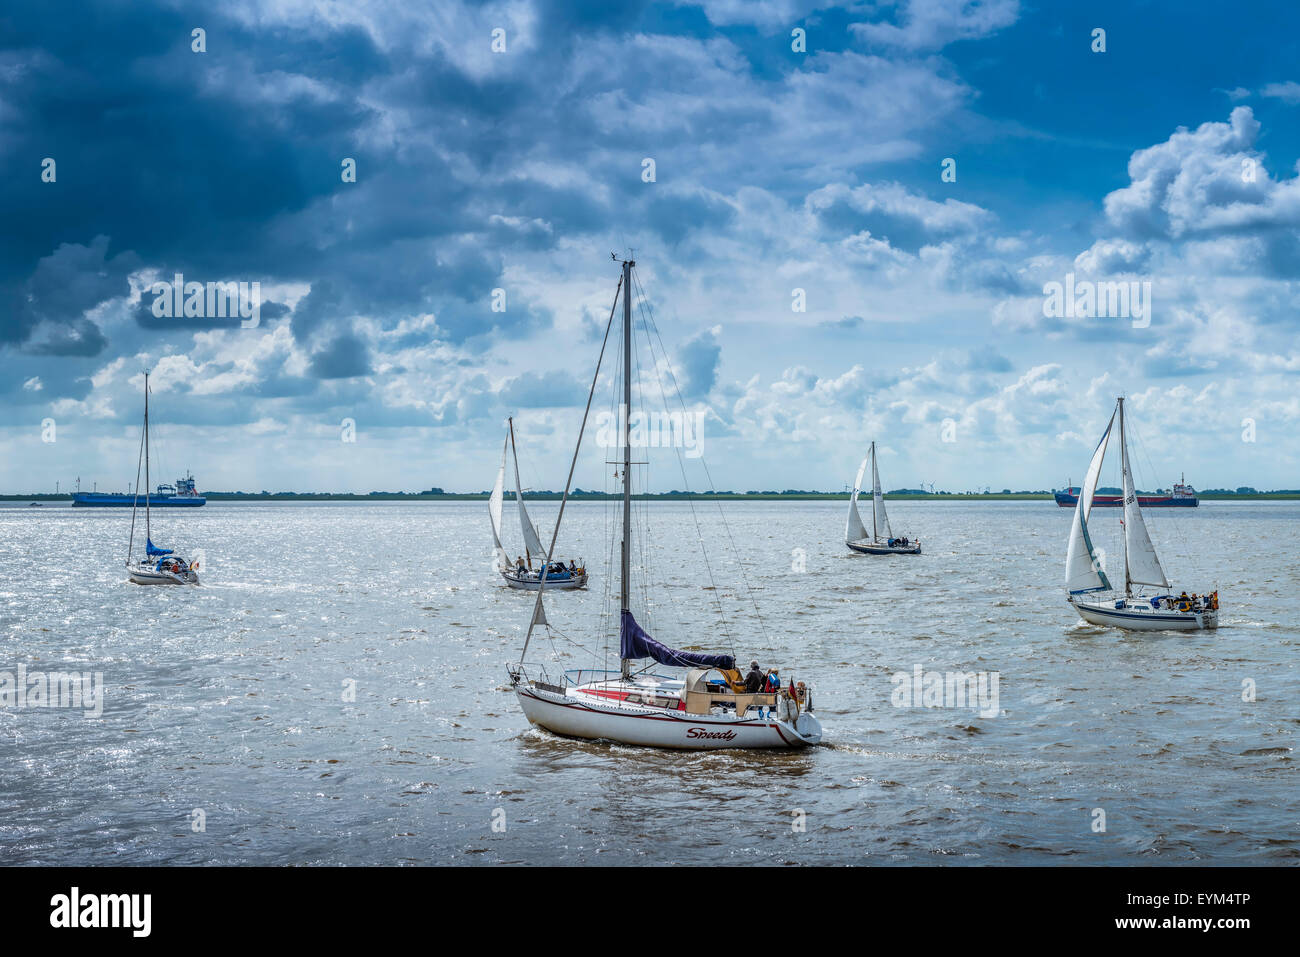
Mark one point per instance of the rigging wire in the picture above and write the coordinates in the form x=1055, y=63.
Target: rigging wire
x=541, y=584
x=647, y=324
x=139, y=462
x=1183, y=549
x=721, y=513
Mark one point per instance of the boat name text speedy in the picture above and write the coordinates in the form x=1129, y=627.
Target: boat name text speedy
x=713, y=735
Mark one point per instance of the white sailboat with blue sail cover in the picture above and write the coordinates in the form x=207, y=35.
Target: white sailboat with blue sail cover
x=1090, y=590
x=158, y=566
x=701, y=701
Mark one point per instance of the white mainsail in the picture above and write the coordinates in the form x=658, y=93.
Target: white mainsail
x=854, y=530
x=532, y=543
x=495, y=504
x=1141, y=565
x=1083, y=571
x=878, y=501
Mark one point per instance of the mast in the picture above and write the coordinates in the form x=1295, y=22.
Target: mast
x=626, y=556
x=875, y=533
x=1125, y=481
x=147, y=533
x=518, y=489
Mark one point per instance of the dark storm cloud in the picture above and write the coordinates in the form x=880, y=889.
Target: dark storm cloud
x=225, y=165
x=51, y=302
x=697, y=364
x=345, y=357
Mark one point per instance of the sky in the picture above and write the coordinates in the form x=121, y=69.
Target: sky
x=917, y=174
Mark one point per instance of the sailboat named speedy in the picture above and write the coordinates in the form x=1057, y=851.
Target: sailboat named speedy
x=1090, y=590
x=158, y=566
x=521, y=573
x=882, y=540
x=708, y=707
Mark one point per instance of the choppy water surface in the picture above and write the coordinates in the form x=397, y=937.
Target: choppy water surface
x=229, y=698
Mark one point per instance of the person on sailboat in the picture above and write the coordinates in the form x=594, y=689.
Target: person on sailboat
x=755, y=680
x=519, y=564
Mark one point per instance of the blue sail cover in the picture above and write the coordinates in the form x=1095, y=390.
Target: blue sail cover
x=153, y=551
x=635, y=643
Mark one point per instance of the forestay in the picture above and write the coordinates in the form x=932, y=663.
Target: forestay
x=854, y=531
x=878, y=501
x=531, y=542
x=1141, y=565
x=495, y=505
x=1083, y=571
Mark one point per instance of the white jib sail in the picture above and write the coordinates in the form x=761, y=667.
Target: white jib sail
x=1142, y=566
x=495, y=504
x=531, y=541
x=1083, y=569
x=854, y=531
x=878, y=501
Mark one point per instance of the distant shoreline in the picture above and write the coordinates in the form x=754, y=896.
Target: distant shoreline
x=654, y=496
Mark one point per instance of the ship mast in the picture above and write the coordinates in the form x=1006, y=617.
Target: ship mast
x=519, y=488
x=626, y=555
x=1125, y=481
x=875, y=532
x=147, y=533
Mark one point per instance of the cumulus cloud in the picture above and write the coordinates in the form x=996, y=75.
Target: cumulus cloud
x=931, y=24
x=1288, y=92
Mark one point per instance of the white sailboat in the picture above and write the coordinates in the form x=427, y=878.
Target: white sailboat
x=158, y=566
x=1090, y=590
x=521, y=573
x=882, y=540
x=709, y=706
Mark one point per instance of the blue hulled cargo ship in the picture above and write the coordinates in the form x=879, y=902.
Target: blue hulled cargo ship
x=1182, y=496
x=183, y=494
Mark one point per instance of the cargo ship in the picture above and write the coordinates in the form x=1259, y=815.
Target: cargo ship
x=1182, y=496
x=183, y=494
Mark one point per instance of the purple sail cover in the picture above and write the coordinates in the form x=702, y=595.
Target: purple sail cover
x=635, y=643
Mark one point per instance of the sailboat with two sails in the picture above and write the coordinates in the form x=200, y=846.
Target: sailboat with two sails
x=882, y=540
x=521, y=573
x=707, y=706
x=1089, y=587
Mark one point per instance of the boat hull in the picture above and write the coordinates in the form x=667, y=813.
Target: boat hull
x=1132, y=619
x=879, y=548
x=552, y=584
x=103, y=500
x=153, y=576
x=566, y=715
x=1069, y=500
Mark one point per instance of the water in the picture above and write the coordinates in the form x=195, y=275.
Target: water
x=229, y=699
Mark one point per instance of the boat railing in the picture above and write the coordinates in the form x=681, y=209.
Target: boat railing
x=582, y=676
x=535, y=673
